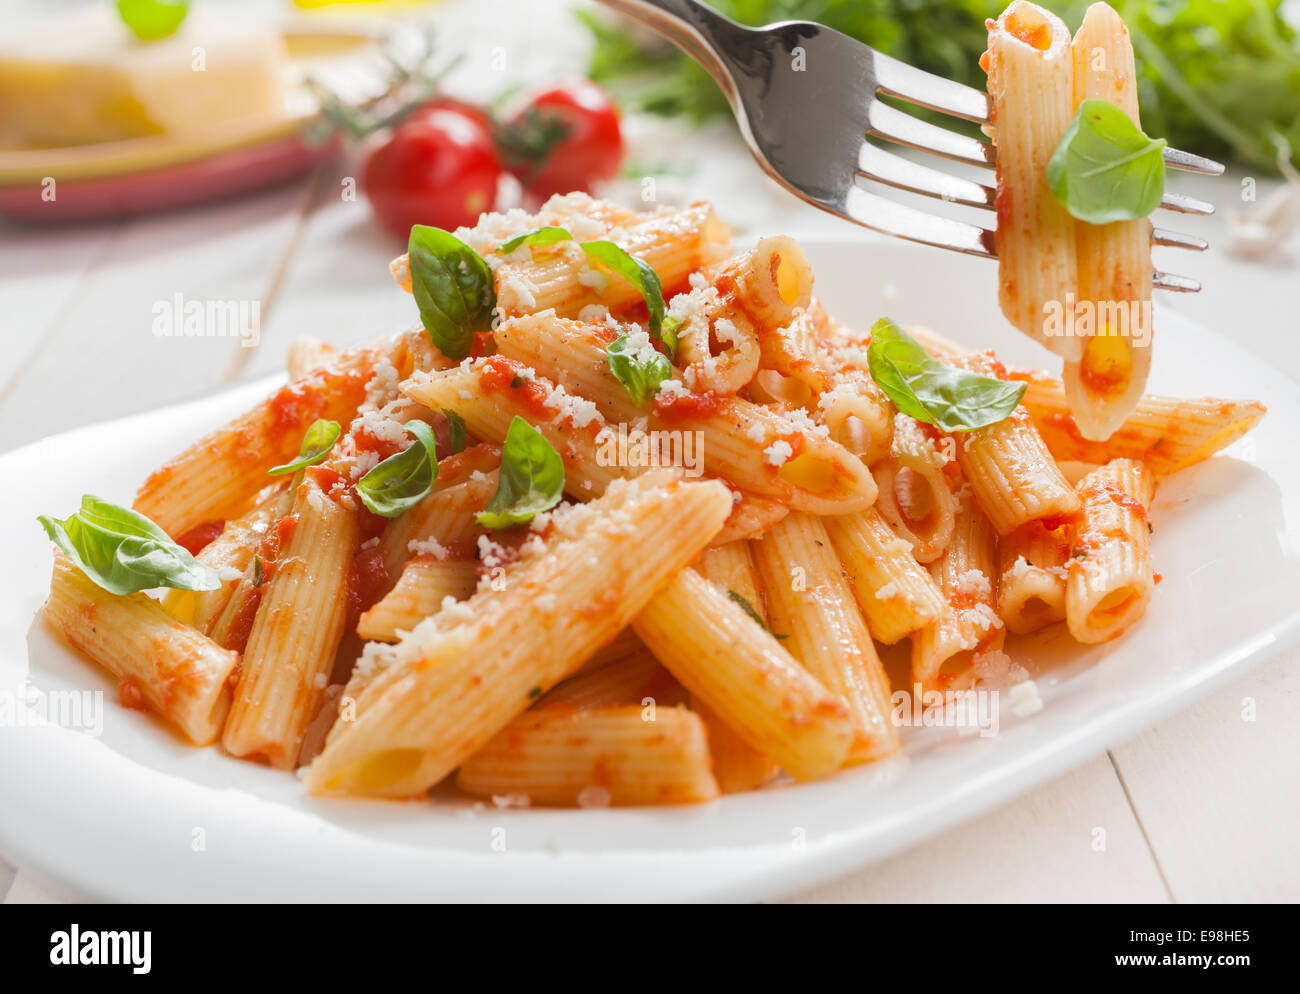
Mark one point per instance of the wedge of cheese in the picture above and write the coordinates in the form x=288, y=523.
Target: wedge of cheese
x=83, y=77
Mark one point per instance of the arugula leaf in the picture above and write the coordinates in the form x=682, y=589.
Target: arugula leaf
x=926, y=389
x=123, y=551
x=537, y=237
x=640, y=275
x=403, y=480
x=748, y=608
x=1104, y=168
x=316, y=445
x=453, y=288
x=531, y=478
x=455, y=425
x=150, y=20
x=640, y=370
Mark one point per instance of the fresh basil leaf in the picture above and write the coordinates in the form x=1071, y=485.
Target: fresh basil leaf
x=123, y=551
x=531, y=478
x=453, y=288
x=748, y=608
x=1104, y=168
x=456, y=426
x=259, y=574
x=150, y=20
x=640, y=370
x=645, y=279
x=668, y=335
x=537, y=237
x=316, y=445
x=923, y=388
x=403, y=480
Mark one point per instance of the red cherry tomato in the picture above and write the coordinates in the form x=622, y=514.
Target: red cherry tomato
x=565, y=138
x=438, y=167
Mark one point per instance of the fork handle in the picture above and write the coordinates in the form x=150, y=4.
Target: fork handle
x=703, y=33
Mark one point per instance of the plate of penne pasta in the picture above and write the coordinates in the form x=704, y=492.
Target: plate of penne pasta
x=645, y=566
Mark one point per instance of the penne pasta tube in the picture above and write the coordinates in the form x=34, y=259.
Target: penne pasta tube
x=779, y=455
x=1033, y=564
x=746, y=676
x=490, y=393
x=561, y=277
x=164, y=666
x=809, y=600
x=230, y=554
x=750, y=517
x=296, y=631
x=915, y=497
x=731, y=567
x=1167, y=433
x=1031, y=102
x=737, y=765
x=443, y=524
x=895, y=593
x=307, y=353
x=1110, y=578
x=425, y=583
x=450, y=685
x=1010, y=470
x=1113, y=318
x=636, y=679
x=858, y=415
x=595, y=758
x=945, y=653
x=216, y=477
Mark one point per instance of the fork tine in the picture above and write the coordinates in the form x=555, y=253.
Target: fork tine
x=1178, y=284
x=928, y=90
x=893, y=170
x=925, y=89
x=1176, y=239
x=893, y=125
x=1183, y=204
x=881, y=214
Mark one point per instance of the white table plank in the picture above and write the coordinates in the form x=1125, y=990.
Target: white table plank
x=1037, y=848
x=101, y=351
x=1219, y=794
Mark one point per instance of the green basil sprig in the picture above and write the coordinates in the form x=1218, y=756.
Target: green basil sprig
x=456, y=427
x=403, y=480
x=923, y=388
x=150, y=20
x=531, y=478
x=640, y=371
x=123, y=551
x=640, y=274
x=1104, y=168
x=453, y=289
x=537, y=237
x=316, y=445
x=748, y=608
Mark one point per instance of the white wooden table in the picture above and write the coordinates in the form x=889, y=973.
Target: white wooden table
x=1203, y=806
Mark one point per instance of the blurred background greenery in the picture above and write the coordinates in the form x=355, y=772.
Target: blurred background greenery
x=1218, y=77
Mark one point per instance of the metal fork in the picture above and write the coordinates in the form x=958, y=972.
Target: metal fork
x=806, y=99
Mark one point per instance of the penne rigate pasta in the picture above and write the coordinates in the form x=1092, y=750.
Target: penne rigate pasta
x=810, y=602
x=1113, y=319
x=461, y=676
x=595, y=758
x=945, y=653
x=425, y=583
x=1166, y=433
x=1031, y=588
x=1031, y=101
x=895, y=593
x=915, y=496
x=164, y=666
x=1111, y=576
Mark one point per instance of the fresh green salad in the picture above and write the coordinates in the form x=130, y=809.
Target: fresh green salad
x=1217, y=77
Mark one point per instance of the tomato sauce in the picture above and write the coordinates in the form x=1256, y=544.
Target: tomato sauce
x=687, y=407
x=201, y=536
x=368, y=580
x=130, y=694
x=499, y=374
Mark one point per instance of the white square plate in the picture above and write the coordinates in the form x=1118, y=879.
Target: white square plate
x=133, y=814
